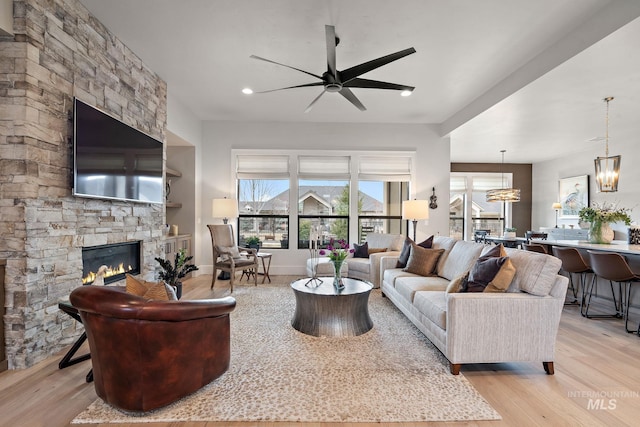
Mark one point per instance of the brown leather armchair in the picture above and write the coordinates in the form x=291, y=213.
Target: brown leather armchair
x=149, y=353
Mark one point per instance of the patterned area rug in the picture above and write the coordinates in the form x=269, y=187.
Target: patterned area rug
x=390, y=374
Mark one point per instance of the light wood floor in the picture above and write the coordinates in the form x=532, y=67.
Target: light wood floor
x=595, y=359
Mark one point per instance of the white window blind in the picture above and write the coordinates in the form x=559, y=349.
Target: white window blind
x=458, y=184
x=261, y=167
x=489, y=182
x=323, y=167
x=385, y=168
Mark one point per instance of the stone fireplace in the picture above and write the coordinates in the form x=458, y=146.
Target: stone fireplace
x=119, y=258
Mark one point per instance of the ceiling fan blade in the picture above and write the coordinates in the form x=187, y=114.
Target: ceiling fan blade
x=330, y=32
x=314, y=101
x=291, y=87
x=352, y=98
x=375, y=84
x=288, y=66
x=353, y=72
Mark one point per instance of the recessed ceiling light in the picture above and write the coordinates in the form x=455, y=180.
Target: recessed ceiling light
x=247, y=91
x=406, y=93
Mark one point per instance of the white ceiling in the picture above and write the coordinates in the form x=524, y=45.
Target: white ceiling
x=493, y=73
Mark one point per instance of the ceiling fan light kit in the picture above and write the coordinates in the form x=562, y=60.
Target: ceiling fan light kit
x=336, y=81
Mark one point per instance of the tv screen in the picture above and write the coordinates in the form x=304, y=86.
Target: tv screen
x=113, y=160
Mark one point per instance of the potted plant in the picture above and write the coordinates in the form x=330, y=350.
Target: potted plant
x=172, y=273
x=599, y=217
x=253, y=242
x=510, y=232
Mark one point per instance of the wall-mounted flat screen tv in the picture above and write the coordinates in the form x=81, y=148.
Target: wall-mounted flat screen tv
x=113, y=160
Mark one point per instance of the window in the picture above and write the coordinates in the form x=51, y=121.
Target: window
x=263, y=200
x=342, y=196
x=468, y=209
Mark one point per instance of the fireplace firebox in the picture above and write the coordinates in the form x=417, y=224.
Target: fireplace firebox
x=120, y=258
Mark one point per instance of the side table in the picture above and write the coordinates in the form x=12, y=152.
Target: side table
x=266, y=265
x=68, y=359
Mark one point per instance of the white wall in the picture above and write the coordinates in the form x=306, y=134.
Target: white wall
x=6, y=17
x=219, y=138
x=547, y=174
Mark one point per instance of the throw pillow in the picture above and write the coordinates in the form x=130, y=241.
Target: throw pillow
x=361, y=251
x=456, y=284
x=483, y=272
x=422, y=261
x=151, y=290
x=503, y=279
x=376, y=250
x=406, y=250
x=235, y=252
x=492, y=272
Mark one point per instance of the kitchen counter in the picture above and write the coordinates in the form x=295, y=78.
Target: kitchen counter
x=619, y=246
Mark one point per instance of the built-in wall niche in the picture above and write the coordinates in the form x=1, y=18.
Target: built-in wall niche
x=119, y=259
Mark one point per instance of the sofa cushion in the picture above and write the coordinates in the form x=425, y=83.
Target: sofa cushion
x=459, y=259
x=376, y=250
x=502, y=280
x=409, y=285
x=392, y=242
x=406, y=250
x=535, y=272
x=433, y=305
x=391, y=275
x=423, y=261
x=359, y=264
x=361, y=251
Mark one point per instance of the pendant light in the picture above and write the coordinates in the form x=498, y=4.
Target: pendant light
x=607, y=167
x=503, y=194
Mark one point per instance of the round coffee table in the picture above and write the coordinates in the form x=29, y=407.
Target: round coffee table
x=323, y=311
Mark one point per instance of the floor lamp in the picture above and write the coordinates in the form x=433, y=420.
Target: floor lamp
x=557, y=206
x=225, y=209
x=415, y=210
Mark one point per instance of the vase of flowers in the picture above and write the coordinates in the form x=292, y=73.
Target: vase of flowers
x=600, y=217
x=337, y=251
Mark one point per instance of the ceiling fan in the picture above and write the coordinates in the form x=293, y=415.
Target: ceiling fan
x=341, y=82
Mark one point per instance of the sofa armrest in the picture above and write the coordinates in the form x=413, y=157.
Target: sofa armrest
x=515, y=326
x=374, y=265
x=387, y=262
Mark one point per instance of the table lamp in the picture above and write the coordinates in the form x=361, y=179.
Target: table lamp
x=224, y=208
x=415, y=210
x=557, y=206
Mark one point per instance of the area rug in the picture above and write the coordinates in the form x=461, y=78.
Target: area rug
x=389, y=374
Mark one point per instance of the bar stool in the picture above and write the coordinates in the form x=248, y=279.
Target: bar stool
x=614, y=268
x=573, y=263
x=534, y=247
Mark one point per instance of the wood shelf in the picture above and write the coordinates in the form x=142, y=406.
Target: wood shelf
x=173, y=205
x=173, y=173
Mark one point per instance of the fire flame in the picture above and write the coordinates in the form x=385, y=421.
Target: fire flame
x=111, y=271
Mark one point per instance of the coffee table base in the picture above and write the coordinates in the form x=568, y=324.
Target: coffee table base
x=337, y=314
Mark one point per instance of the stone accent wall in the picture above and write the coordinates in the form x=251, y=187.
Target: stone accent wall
x=60, y=51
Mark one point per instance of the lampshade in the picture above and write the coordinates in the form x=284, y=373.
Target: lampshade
x=415, y=209
x=503, y=194
x=607, y=167
x=557, y=206
x=224, y=208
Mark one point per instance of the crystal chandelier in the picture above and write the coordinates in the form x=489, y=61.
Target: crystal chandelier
x=607, y=167
x=503, y=194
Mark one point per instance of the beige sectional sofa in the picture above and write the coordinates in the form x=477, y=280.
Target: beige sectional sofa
x=518, y=325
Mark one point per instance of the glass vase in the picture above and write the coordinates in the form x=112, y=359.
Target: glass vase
x=337, y=274
x=600, y=232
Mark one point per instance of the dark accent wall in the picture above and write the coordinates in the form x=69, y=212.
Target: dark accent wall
x=521, y=179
